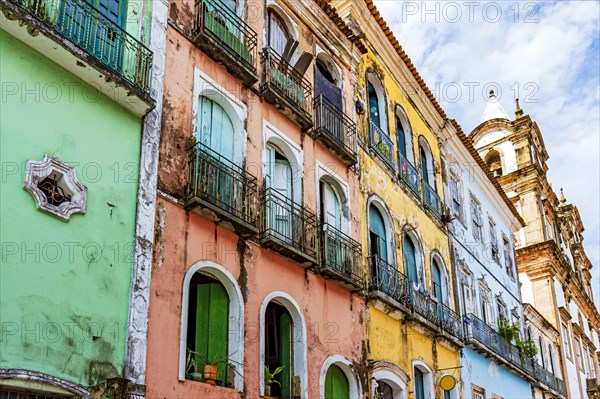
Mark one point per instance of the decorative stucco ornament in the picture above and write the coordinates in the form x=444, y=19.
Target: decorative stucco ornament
x=55, y=187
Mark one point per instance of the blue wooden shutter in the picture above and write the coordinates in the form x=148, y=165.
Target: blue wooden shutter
x=373, y=105
x=419, y=385
x=377, y=229
x=436, y=278
x=424, y=171
x=401, y=137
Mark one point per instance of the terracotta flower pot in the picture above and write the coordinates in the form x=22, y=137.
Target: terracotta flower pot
x=210, y=373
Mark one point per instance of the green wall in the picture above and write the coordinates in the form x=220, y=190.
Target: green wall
x=64, y=287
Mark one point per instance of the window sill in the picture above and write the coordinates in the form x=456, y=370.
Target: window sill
x=204, y=384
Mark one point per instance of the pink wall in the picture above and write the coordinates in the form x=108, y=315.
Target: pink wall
x=184, y=238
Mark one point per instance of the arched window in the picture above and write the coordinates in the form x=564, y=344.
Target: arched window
x=208, y=322
x=330, y=206
x=277, y=34
x=494, y=162
x=542, y=350
x=279, y=177
x=384, y=391
x=328, y=85
x=374, y=113
x=426, y=162
x=215, y=129
x=422, y=380
x=279, y=337
x=424, y=167
x=410, y=260
x=377, y=234
x=336, y=384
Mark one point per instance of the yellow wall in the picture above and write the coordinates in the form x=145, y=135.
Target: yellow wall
x=390, y=339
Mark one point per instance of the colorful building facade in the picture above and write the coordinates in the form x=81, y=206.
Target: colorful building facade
x=256, y=264
x=77, y=99
x=553, y=268
x=414, y=333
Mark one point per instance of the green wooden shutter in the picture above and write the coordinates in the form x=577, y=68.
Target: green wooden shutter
x=419, y=386
x=285, y=328
x=336, y=384
x=377, y=229
x=401, y=137
x=212, y=317
x=410, y=261
x=436, y=278
x=424, y=171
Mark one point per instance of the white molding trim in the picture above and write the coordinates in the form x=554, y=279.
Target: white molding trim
x=299, y=340
x=236, y=317
x=393, y=375
x=348, y=368
x=428, y=377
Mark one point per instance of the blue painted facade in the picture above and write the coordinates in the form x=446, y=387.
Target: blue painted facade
x=493, y=378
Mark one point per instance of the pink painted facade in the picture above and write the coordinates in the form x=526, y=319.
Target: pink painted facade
x=329, y=325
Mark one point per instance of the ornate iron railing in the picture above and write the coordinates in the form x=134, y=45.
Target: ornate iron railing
x=550, y=380
x=341, y=255
x=96, y=34
x=382, y=144
x=432, y=200
x=288, y=222
x=389, y=280
x=426, y=307
x=331, y=122
x=409, y=175
x=281, y=78
x=225, y=27
x=451, y=322
x=222, y=183
x=477, y=330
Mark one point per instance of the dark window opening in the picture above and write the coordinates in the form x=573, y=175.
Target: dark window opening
x=279, y=349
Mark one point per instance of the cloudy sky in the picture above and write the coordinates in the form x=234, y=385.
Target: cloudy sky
x=545, y=53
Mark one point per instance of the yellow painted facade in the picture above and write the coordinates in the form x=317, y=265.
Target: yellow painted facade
x=397, y=339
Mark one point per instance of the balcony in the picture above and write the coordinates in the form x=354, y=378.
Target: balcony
x=334, y=130
x=486, y=340
x=550, y=381
x=288, y=228
x=409, y=175
x=286, y=89
x=226, y=38
x=341, y=258
x=89, y=42
x=432, y=200
x=450, y=322
x=222, y=192
x=389, y=286
x=382, y=145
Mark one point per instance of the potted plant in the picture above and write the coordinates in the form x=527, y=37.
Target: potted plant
x=191, y=369
x=270, y=379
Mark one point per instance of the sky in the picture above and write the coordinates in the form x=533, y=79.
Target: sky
x=545, y=53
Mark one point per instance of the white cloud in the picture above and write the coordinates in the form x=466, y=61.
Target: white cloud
x=548, y=54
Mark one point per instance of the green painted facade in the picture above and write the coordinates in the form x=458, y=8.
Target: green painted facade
x=65, y=286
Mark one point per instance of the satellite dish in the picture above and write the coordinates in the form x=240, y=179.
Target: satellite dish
x=447, y=382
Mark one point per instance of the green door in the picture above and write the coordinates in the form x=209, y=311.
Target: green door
x=285, y=328
x=336, y=384
x=97, y=27
x=212, y=316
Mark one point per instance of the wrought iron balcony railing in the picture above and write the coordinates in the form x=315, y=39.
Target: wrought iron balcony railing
x=225, y=37
x=550, y=380
x=288, y=227
x=482, y=335
x=426, y=307
x=389, y=280
x=334, y=129
x=432, y=200
x=382, y=144
x=219, y=185
x=341, y=258
x=451, y=322
x=286, y=89
x=97, y=35
x=409, y=175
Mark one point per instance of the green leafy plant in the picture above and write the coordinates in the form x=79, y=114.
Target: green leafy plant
x=270, y=377
x=528, y=348
x=508, y=330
